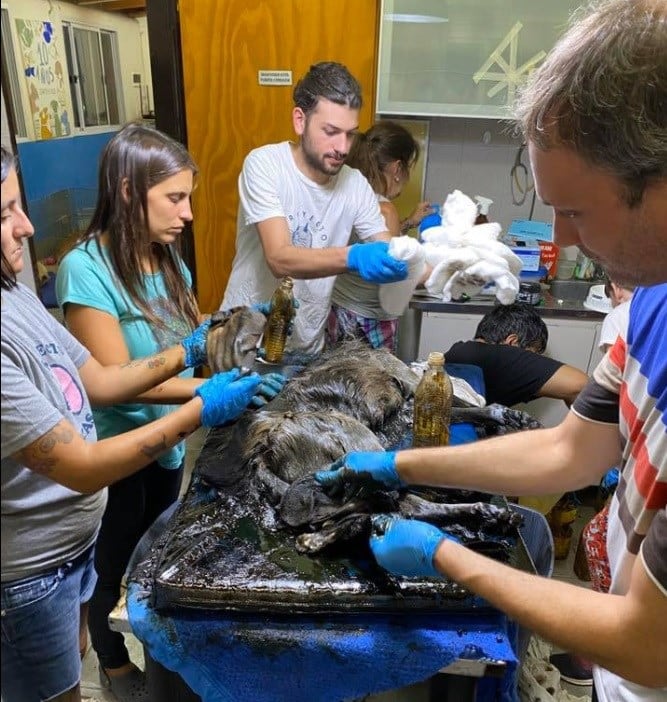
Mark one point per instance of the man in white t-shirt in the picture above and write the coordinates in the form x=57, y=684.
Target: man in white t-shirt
x=299, y=204
x=615, y=324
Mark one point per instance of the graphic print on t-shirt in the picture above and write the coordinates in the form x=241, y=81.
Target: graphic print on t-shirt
x=304, y=228
x=71, y=390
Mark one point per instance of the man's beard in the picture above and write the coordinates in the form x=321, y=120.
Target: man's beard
x=318, y=163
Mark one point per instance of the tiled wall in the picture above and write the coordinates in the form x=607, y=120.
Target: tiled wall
x=475, y=156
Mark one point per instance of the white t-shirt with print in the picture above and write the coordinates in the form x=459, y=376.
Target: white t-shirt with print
x=318, y=216
x=615, y=324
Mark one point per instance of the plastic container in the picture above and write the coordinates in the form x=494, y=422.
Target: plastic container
x=277, y=325
x=529, y=292
x=584, y=268
x=549, y=257
x=433, y=405
x=596, y=300
x=530, y=257
x=533, y=276
x=565, y=269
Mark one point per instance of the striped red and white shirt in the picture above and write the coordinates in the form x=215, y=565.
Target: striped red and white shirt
x=629, y=388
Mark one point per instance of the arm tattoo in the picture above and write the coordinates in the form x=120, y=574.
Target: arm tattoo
x=152, y=362
x=38, y=456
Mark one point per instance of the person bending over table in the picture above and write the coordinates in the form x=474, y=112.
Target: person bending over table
x=509, y=344
x=593, y=117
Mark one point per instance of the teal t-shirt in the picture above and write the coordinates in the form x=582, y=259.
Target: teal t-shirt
x=84, y=278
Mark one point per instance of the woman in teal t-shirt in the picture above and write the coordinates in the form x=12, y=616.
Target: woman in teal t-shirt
x=126, y=293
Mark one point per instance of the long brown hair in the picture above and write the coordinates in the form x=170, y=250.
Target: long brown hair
x=384, y=143
x=140, y=157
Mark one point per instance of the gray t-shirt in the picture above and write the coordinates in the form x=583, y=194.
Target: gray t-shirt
x=354, y=293
x=44, y=524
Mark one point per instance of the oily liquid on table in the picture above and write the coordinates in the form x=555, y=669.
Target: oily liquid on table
x=433, y=405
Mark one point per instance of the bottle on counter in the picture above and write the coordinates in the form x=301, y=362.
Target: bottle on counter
x=277, y=325
x=433, y=405
x=530, y=292
x=584, y=268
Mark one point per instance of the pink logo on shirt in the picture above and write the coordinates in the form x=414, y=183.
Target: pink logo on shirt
x=71, y=390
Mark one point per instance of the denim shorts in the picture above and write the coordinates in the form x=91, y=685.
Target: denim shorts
x=40, y=630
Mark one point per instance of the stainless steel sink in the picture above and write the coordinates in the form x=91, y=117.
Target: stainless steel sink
x=571, y=289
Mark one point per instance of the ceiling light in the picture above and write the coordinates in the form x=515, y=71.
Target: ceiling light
x=414, y=19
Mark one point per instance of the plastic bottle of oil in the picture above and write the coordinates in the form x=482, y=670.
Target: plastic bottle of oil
x=277, y=325
x=433, y=404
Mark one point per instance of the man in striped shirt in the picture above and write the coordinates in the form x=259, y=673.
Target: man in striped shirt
x=594, y=119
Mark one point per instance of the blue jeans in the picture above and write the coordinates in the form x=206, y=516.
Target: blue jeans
x=40, y=630
x=134, y=504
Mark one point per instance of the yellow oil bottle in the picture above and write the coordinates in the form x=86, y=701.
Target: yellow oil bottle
x=277, y=325
x=433, y=405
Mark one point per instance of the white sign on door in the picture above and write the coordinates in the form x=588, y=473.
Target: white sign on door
x=274, y=77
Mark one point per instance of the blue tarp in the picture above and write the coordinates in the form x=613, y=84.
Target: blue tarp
x=226, y=657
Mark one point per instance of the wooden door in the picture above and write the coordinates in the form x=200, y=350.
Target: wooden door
x=224, y=45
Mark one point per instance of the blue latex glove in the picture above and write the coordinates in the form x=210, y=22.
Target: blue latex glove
x=406, y=546
x=610, y=480
x=225, y=396
x=374, y=264
x=195, y=345
x=359, y=469
x=271, y=384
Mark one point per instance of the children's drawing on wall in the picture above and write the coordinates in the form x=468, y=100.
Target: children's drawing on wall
x=43, y=71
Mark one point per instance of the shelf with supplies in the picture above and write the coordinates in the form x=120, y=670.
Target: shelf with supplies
x=463, y=58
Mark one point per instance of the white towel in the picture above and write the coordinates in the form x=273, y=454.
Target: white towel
x=394, y=297
x=465, y=257
x=458, y=212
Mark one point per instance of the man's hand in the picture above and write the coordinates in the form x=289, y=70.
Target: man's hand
x=406, y=546
x=374, y=264
x=225, y=396
x=358, y=469
x=195, y=345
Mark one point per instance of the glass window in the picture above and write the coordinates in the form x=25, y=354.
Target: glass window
x=463, y=58
x=13, y=95
x=94, y=86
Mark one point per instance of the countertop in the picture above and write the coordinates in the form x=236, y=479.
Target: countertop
x=480, y=304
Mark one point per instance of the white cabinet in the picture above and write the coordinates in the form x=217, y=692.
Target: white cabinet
x=572, y=341
x=596, y=354
x=440, y=330
x=462, y=58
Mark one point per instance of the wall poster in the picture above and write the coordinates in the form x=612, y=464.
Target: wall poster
x=45, y=76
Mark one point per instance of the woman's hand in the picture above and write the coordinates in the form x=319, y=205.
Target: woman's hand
x=415, y=217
